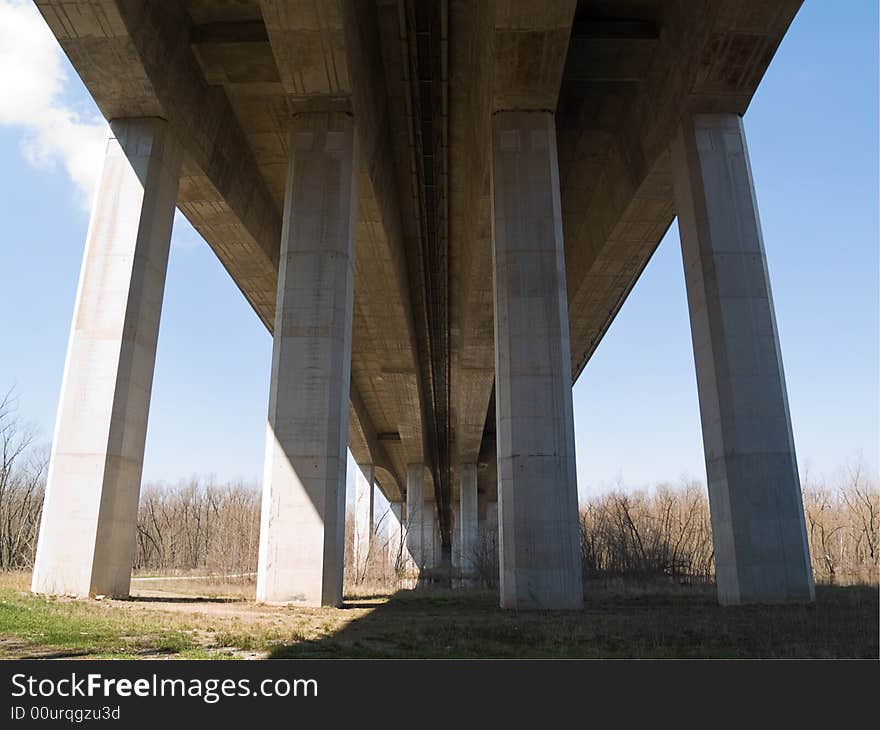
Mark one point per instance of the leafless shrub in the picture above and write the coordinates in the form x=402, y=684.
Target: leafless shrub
x=665, y=533
x=484, y=558
x=198, y=525
x=843, y=527
x=383, y=565
x=22, y=485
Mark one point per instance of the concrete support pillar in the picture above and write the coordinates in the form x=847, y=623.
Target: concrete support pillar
x=467, y=516
x=88, y=529
x=395, y=535
x=487, y=528
x=363, y=517
x=431, y=543
x=492, y=515
x=415, y=516
x=538, y=509
x=455, y=542
x=761, y=552
x=303, y=513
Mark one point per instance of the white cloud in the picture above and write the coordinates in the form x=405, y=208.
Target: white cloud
x=32, y=82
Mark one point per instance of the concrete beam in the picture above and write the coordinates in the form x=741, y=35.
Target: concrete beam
x=529, y=45
x=614, y=165
x=309, y=46
x=159, y=61
x=387, y=319
x=758, y=529
x=154, y=72
x=606, y=52
x=364, y=441
x=237, y=56
x=520, y=68
x=325, y=52
x=470, y=227
x=89, y=521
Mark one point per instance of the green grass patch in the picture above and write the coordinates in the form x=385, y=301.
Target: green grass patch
x=58, y=626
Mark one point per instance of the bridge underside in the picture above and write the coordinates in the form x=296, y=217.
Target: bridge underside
x=342, y=159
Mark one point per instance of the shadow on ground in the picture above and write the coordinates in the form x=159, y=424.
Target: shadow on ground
x=182, y=599
x=628, y=623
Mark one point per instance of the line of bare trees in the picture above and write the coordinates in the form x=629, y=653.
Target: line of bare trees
x=198, y=525
x=843, y=527
x=665, y=532
x=22, y=478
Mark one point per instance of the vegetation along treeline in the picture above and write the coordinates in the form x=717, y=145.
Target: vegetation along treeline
x=665, y=532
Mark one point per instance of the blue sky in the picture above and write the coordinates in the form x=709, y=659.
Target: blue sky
x=812, y=131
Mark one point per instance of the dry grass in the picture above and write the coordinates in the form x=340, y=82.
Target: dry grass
x=621, y=619
x=208, y=586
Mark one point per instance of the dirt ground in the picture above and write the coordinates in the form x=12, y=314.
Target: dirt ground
x=198, y=618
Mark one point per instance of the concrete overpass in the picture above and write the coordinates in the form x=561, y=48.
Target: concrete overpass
x=437, y=207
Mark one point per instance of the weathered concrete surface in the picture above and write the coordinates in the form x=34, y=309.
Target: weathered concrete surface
x=537, y=479
x=303, y=515
x=632, y=70
x=88, y=529
x=394, y=531
x=415, y=517
x=504, y=56
x=758, y=529
x=467, y=516
x=364, y=518
x=211, y=70
x=422, y=80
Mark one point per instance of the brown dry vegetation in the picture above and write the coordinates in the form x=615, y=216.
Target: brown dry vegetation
x=22, y=473
x=200, y=526
x=648, y=568
x=643, y=535
x=620, y=619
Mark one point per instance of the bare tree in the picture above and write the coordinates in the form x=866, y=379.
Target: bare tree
x=22, y=483
x=200, y=525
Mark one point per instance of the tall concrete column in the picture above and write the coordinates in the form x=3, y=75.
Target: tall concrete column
x=467, y=516
x=455, y=542
x=537, y=482
x=88, y=529
x=431, y=540
x=761, y=552
x=395, y=534
x=492, y=515
x=363, y=516
x=415, y=516
x=303, y=513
